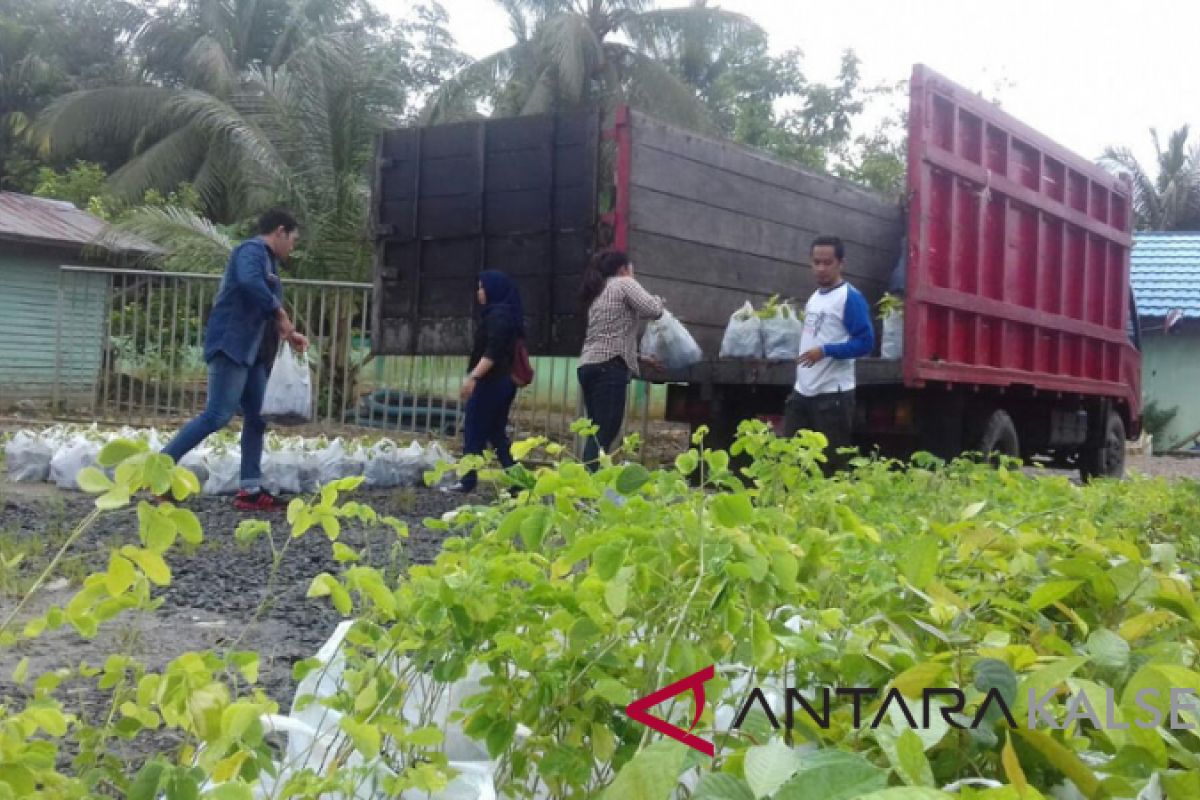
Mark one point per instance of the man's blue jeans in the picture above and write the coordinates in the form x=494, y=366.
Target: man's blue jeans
x=230, y=386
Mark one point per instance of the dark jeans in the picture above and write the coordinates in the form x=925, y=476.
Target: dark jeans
x=230, y=386
x=831, y=414
x=604, y=387
x=487, y=422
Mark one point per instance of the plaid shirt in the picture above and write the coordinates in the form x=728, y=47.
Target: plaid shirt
x=613, y=322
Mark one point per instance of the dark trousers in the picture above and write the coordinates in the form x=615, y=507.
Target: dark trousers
x=831, y=414
x=487, y=422
x=604, y=387
x=231, y=387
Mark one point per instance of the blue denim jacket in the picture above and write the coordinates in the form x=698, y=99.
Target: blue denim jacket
x=246, y=303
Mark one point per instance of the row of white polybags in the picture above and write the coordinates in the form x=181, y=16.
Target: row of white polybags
x=291, y=465
x=776, y=338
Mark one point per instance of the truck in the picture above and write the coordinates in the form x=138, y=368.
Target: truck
x=1011, y=255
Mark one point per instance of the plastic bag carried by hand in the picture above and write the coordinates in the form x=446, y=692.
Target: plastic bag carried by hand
x=668, y=341
x=288, y=400
x=781, y=334
x=743, y=334
x=28, y=457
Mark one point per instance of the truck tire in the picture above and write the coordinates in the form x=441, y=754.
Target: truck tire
x=999, y=436
x=1107, y=460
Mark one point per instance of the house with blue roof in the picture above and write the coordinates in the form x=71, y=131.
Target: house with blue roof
x=1166, y=284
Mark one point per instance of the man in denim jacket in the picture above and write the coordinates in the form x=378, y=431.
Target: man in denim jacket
x=245, y=328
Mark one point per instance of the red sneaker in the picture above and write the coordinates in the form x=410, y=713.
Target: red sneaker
x=261, y=500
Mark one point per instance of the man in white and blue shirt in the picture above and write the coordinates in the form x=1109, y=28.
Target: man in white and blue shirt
x=837, y=330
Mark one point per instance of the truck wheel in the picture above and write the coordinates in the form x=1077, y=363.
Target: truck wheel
x=1107, y=460
x=999, y=436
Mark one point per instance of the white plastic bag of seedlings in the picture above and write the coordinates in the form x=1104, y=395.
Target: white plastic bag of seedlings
x=77, y=453
x=314, y=733
x=288, y=399
x=781, y=334
x=667, y=340
x=28, y=456
x=891, y=345
x=383, y=466
x=743, y=334
x=339, y=460
x=310, y=465
x=224, y=470
x=281, y=471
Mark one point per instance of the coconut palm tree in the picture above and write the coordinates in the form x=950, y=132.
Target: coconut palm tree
x=193, y=55
x=568, y=55
x=1169, y=200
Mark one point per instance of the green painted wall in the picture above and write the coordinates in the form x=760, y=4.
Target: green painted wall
x=29, y=314
x=1171, y=376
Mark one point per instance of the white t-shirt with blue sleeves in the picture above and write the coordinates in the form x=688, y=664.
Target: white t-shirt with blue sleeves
x=837, y=320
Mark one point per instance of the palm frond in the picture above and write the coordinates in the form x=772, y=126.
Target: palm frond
x=171, y=160
x=190, y=242
x=649, y=85
x=115, y=114
x=485, y=77
x=208, y=67
x=571, y=47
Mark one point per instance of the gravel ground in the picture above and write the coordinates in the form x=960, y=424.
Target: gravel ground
x=218, y=596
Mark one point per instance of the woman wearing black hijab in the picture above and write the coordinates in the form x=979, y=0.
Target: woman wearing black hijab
x=488, y=388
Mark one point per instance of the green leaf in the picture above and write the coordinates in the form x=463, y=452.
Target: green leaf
x=150, y=563
x=22, y=671
x=1047, y=677
x=112, y=500
x=93, y=481
x=651, y=775
x=343, y=554
x=609, y=559
x=613, y=691
x=146, y=785
x=159, y=470
x=833, y=775
x=720, y=786
x=188, y=525
x=1051, y=592
x=632, y=478
x=1108, y=649
x=762, y=640
x=732, y=510
x=769, y=767
x=913, y=767
x=366, y=738
x=117, y=451
x=616, y=597
x=184, y=483
x=1062, y=759
x=120, y=575
x=534, y=529
x=920, y=562
x=687, y=462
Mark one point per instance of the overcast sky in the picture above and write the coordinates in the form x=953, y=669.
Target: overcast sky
x=1088, y=73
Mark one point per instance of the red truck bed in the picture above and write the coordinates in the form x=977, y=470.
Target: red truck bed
x=1018, y=255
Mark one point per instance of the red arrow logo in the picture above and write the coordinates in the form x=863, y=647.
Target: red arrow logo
x=637, y=710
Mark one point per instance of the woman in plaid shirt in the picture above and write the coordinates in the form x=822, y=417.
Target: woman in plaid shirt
x=616, y=304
